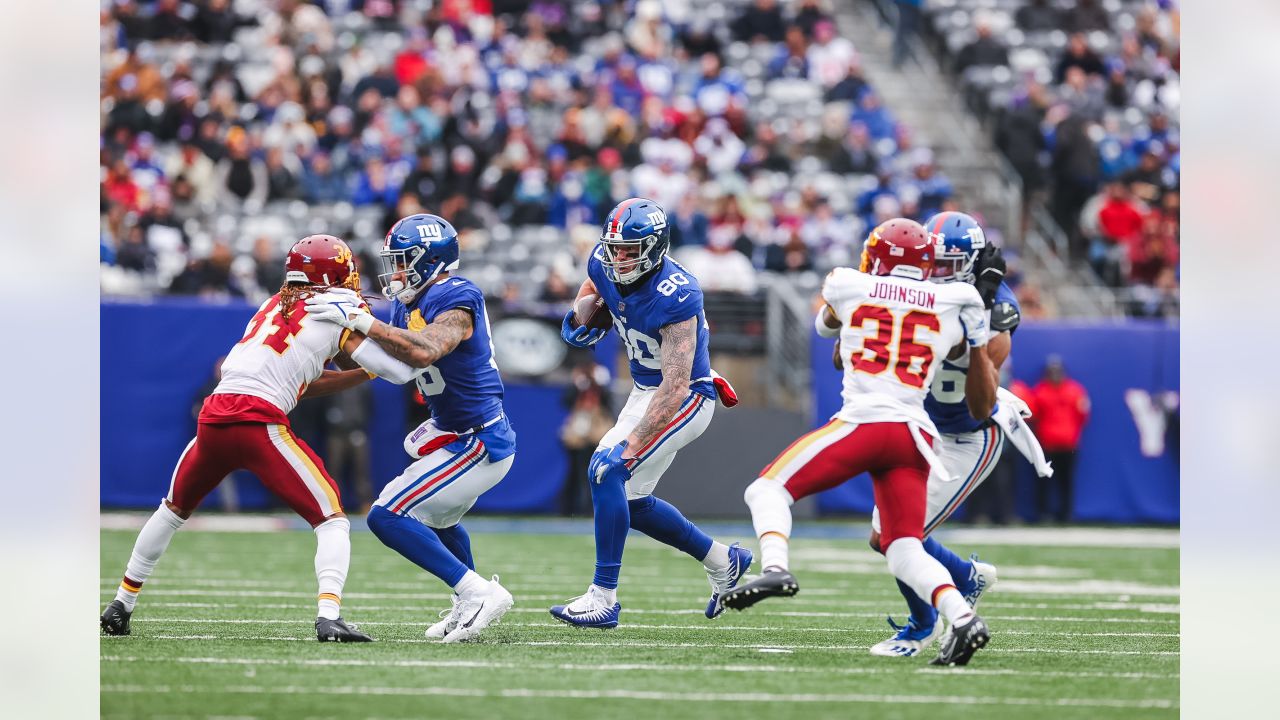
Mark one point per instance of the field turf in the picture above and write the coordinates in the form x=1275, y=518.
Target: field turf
x=224, y=629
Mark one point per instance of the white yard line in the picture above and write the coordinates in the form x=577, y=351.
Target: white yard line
x=642, y=643
x=639, y=695
x=887, y=669
x=424, y=610
x=717, y=627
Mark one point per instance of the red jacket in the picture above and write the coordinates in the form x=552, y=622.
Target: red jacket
x=1061, y=410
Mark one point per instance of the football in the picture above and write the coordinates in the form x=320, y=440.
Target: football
x=590, y=311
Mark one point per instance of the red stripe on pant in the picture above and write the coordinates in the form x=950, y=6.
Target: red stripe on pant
x=463, y=460
x=679, y=418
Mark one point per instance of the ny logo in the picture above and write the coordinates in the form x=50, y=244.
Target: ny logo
x=429, y=232
x=658, y=219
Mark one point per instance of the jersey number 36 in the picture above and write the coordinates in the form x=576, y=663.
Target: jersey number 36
x=893, y=343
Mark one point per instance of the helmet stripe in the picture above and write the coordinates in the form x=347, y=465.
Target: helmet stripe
x=939, y=221
x=616, y=218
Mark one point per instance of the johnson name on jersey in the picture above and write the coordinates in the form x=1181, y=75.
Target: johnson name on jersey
x=894, y=333
x=669, y=295
x=945, y=402
x=277, y=358
x=463, y=388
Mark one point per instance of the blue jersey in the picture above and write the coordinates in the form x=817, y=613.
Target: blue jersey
x=669, y=295
x=463, y=388
x=945, y=401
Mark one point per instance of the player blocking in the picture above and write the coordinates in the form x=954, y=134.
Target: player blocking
x=895, y=328
x=244, y=424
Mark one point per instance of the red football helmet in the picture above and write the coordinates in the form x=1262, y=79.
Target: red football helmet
x=899, y=247
x=321, y=260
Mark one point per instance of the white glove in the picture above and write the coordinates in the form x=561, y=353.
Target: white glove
x=1018, y=404
x=342, y=307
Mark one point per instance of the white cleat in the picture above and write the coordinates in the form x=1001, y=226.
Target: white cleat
x=909, y=641
x=448, y=621
x=479, y=611
x=983, y=578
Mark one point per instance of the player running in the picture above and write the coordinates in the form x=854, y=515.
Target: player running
x=969, y=447
x=244, y=425
x=438, y=337
x=657, y=310
x=901, y=326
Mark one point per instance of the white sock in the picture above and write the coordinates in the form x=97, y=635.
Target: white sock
x=610, y=595
x=717, y=557
x=470, y=584
x=770, y=505
x=333, y=558
x=953, y=606
x=147, y=549
x=909, y=562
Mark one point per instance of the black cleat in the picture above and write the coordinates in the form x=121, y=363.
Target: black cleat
x=339, y=631
x=962, y=642
x=774, y=582
x=115, y=619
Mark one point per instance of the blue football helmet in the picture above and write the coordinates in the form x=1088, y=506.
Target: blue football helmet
x=959, y=240
x=417, y=249
x=635, y=238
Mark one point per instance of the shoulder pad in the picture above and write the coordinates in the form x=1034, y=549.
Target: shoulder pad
x=1005, y=316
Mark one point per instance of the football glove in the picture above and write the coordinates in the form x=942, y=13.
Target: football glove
x=609, y=460
x=989, y=272
x=581, y=336
x=342, y=307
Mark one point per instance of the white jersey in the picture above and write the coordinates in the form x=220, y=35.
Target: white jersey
x=894, y=333
x=277, y=359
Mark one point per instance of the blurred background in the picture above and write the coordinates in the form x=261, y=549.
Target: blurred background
x=776, y=133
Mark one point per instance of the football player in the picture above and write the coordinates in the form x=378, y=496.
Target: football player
x=897, y=327
x=244, y=424
x=657, y=310
x=438, y=337
x=969, y=447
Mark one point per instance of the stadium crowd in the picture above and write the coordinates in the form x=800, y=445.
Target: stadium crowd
x=230, y=129
x=1084, y=95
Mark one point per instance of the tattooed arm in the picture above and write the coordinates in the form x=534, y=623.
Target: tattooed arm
x=679, y=342
x=420, y=349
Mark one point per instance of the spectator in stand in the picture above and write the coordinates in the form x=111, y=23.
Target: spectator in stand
x=808, y=14
x=1082, y=94
x=1078, y=55
x=240, y=178
x=985, y=50
x=1149, y=180
x=875, y=117
x=934, y=188
x=719, y=147
x=1061, y=411
x=1076, y=170
x=283, y=181
x=321, y=183
x=761, y=22
x=905, y=29
x=374, y=186
x=1120, y=226
x=209, y=276
x=857, y=156
x=689, y=225
x=1038, y=16
x=718, y=266
x=792, y=60
x=851, y=86
x=830, y=55
x=1087, y=15
x=1020, y=137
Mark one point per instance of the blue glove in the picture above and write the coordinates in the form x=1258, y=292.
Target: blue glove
x=580, y=336
x=607, y=461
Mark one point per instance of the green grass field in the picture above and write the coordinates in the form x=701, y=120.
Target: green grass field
x=224, y=628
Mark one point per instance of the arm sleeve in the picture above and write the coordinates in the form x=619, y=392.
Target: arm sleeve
x=973, y=316
x=373, y=358
x=819, y=324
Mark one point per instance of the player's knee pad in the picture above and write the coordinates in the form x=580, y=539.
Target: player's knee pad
x=763, y=488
